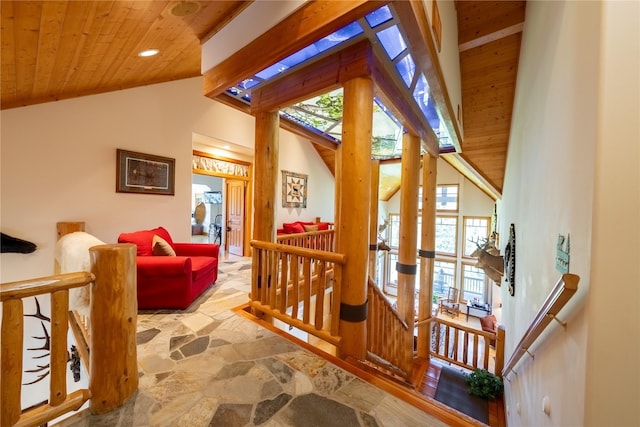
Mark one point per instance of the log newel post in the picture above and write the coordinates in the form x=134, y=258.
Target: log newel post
x=114, y=309
x=406, y=267
x=373, y=214
x=427, y=250
x=353, y=167
x=266, y=175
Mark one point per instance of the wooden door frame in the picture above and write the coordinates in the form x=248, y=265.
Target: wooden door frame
x=248, y=195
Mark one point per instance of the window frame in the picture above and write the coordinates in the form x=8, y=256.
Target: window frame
x=455, y=239
x=464, y=232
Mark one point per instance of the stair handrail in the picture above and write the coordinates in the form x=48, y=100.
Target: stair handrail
x=560, y=294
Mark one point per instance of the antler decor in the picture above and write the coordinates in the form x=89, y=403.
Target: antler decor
x=489, y=258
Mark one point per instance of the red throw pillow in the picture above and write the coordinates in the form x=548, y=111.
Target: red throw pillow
x=293, y=227
x=323, y=226
x=488, y=323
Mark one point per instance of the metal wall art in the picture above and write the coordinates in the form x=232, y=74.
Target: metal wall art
x=510, y=260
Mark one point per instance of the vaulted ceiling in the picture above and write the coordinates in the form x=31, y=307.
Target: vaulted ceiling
x=54, y=50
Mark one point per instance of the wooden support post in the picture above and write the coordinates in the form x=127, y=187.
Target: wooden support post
x=11, y=345
x=407, y=250
x=427, y=250
x=266, y=168
x=354, y=166
x=373, y=215
x=67, y=227
x=114, y=310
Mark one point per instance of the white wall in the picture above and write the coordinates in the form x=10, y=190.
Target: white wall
x=59, y=164
x=549, y=190
x=298, y=155
x=612, y=371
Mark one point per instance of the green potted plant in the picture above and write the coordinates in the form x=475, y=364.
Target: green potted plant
x=484, y=384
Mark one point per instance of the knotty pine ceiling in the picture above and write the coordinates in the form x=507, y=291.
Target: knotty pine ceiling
x=52, y=50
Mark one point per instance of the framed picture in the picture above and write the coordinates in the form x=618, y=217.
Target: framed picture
x=294, y=190
x=144, y=173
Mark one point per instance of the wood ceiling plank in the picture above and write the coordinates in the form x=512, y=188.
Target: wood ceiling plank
x=27, y=18
x=480, y=18
x=309, y=23
x=7, y=57
x=52, y=19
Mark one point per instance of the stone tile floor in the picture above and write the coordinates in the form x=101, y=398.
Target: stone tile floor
x=208, y=366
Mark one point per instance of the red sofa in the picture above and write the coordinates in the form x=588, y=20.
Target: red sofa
x=171, y=275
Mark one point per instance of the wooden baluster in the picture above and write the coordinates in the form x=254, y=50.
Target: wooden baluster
x=58, y=361
x=273, y=279
x=499, y=351
x=322, y=283
x=114, y=309
x=306, y=290
x=284, y=285
x=295, y=279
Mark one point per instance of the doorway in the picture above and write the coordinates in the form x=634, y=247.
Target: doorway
x=231, y=216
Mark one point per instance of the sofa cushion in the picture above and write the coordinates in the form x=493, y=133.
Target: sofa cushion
x=161, y=247
x=143, y=239
x=323, y=226
x=293, y=227
x=202, y=266
x=488, y=323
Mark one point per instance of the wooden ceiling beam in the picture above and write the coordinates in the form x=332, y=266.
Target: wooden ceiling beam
x=309, y=23
x=315, y=79
x=497, y=35
x=414, y=22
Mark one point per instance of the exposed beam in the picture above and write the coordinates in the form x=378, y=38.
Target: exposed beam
x=317, y=78
x=391, y=96
x=497, y=35
x=311, y=22
x=414, y=21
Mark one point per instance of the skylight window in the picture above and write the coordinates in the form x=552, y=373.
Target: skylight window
x=406, y=68
x=379, y=16
x=392, y=41
x=323, y=114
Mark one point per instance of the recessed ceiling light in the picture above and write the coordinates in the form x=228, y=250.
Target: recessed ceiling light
x=148, y=52
x=185, y=8
x=226, y=147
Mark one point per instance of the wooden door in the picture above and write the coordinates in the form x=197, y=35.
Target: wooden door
x=235, y=217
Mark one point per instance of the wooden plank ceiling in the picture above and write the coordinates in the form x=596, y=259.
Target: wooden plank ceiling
x=56, y=49
x=63, y=49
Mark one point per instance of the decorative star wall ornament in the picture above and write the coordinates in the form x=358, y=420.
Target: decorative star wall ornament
x=294, y=190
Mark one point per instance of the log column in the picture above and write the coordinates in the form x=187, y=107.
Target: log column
x=373, y=215
x=353, y=166
x=265, y=177
x=427, y=250
x=114, y=310
x=406, y=266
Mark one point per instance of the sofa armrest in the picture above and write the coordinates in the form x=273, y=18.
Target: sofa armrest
x=164, y=265
x=197, y=249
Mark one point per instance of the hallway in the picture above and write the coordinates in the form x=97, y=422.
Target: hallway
x=208, y=366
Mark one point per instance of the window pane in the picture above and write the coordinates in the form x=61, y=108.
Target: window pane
x=446, y=234
x=392, y=278
x=447, y=197
x=406, y=68
x=392, y=41
x=473, y=284
x=475, y=229
x=378, y=16
x=444, y=277
x=394, y=230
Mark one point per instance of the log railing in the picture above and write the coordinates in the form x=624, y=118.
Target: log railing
x=322, y=240
x=463, y=346
x=385, y=334
x=114, y=374
x=298, y=286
